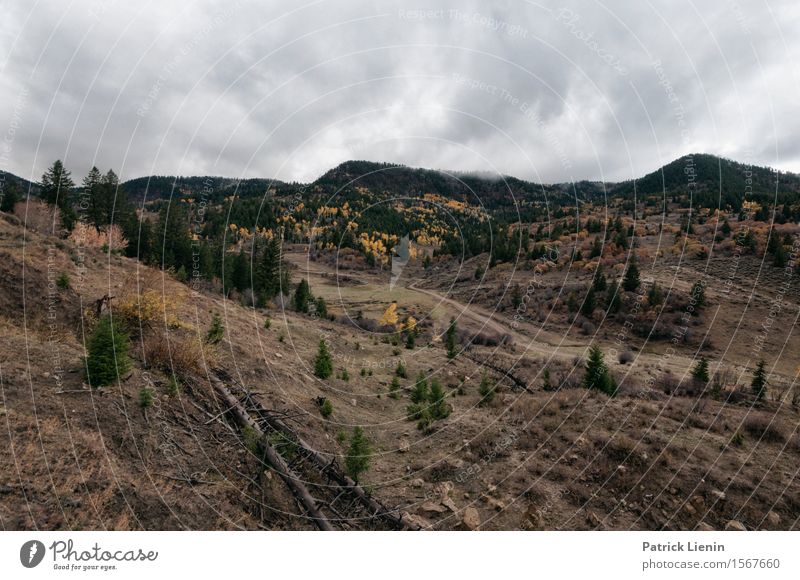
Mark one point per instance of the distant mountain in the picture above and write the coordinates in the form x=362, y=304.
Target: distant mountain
x=24, y=185
x=713, y=181
x=400, y=180
x=213, y=188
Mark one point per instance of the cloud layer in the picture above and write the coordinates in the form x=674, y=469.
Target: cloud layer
x=545, y=91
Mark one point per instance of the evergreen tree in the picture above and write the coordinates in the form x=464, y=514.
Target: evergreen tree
x=773, y=241
x=173, y=246
x=546, y=385
x=599, y=282
x=700, y=371
x=411, y=339
x=268, y=272
x=323, y=363
x=302, y=296
x=779, y=258
x=107, y=357
x=239, y=274
x=572, y=302
x=597, y=248
x=56, y=188
x=113, y=201
x=516, y=296
x=597, y=375
x=451, y=340
x=613, y=298
x=321, y=307
x=486, y=390
x=139, y=233
x=438, y=408
x=698, y=295
x=419, y=394
x=621, y=240
x=91, y=192
x=9, y=196
x=655, y=296
x=726, y=228
x=631, y=281
x=589, y=303
x=400, y=370
x=759, y=383
x=358, y=456
x=394, y=388
x=216, y=332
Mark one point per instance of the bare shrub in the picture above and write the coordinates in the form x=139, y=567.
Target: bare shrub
x=764, y=429
x=569, y=381
x=625, y=357
x=186, y=357
x=669, y=383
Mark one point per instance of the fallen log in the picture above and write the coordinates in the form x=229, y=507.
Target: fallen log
x=274, y=458
x=505, y=372
x=329, y=468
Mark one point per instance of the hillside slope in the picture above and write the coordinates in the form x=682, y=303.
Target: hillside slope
x=528, y=459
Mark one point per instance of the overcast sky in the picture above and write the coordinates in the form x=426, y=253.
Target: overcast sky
x=548, y=91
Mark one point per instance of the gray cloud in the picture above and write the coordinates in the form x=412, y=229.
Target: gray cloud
x=546, y=91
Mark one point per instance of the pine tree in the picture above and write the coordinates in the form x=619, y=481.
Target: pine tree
x=419, y=393
x=773, y=241
x=321, y=307
x=759, y=383
x=269, y=270
x=116, y=201
x=589, y=303
x=779, y=257
x=400, y=370
x=486, y=390
x=9, y=196
x=239, y=275
x=516, y=296
x=613, y=298
x=546, y=384
x=139, y=233
x=394, y=388
x=655, y=296
x=438, y=407
x=326, y=408
x=173, y=246
x=216, y=332
x=302, y=296
x=700, y=371
x=597, y=375
x=597, y=248
x=358, y=456
x=631, y=281
x=726, y=228
x=572, y=302
x=698, y=295
x=91, y=192
x=323, y=363
x=599, y=282
x=56, y=189
x=107, y=357
x=451, y=341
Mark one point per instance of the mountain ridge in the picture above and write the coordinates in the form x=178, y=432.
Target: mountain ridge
x=702, y=174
